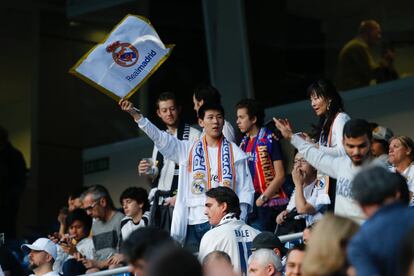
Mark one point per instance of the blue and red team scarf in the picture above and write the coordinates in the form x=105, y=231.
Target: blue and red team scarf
x=261, y=165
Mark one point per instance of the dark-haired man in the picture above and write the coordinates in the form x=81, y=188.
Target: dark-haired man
x=265, y=164
x=207, y=163
x=164, y=174
x=229, y=234
x=357, y=137
x=294, y=260
x=210, y=95
x=142, y=245
x=383, y=197
x=75, y=246
x=134, y=201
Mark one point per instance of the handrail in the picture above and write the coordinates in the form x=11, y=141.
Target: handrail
x=109, y=272
x=290, y=237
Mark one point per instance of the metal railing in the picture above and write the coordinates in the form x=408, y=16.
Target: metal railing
x=124, y=269
x=109, y=272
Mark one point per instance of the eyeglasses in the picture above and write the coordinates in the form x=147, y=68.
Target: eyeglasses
x=90, y=207
x=302, y=161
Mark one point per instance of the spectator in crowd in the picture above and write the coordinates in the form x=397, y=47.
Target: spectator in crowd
x=268, y=240
x=164, y=172
x=380, y=142
x=356, y=65
x=74, y=199
x=74, y=202
x=265, y=164
x=209, y=162
x=401, y=157
x=294, y=260
x=229, y=233
x=12, y=183
x=386, y=71
x=75, y=245
x=306, y=202
x=174, y=261
x=326, y=251
x=328, y=106
x=106, y=229
x=379, y=194
x=307, y=232
x=134, y=201
x=9, y=263
x=141, y=246
x=264, y=262
x=218, y=263
x=406, y=255
x=357, y=137
x=209, y=95
x=42, y=255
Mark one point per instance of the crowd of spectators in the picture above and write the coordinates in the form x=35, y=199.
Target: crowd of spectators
x=217, y=205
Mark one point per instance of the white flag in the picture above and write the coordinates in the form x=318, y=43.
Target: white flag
x=121, y=64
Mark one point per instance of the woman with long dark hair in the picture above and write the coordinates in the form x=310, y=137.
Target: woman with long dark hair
x=328, y=106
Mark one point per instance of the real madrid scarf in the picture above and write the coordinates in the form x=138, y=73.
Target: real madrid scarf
x=199, y=166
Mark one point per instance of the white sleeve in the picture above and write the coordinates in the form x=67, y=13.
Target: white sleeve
x=194, y=134
x=88, y=250
x=169, y=146
x=291, y=203
x=228, y=132
x=317, y=158
x=337, y=148
x=317, y=199
x=244, y=184
x=207, y=245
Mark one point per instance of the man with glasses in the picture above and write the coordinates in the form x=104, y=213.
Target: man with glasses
x=98, y=204
x=305, y=205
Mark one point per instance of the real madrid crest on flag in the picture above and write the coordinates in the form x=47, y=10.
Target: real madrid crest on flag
x=129, y=55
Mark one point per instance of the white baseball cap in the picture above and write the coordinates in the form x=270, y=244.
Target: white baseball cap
x=42, y=244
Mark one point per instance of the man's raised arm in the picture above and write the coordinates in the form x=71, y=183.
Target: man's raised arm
x=169, y=146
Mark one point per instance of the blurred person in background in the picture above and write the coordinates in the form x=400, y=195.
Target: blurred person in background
x=141, y=246
x=356, y=64
x=12, y=183
x=326, y=251
x=294, y=260
x=218, y=263
x=383, y=197
x=406, y=255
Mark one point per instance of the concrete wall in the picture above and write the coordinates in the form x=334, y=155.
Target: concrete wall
x=123, y=161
